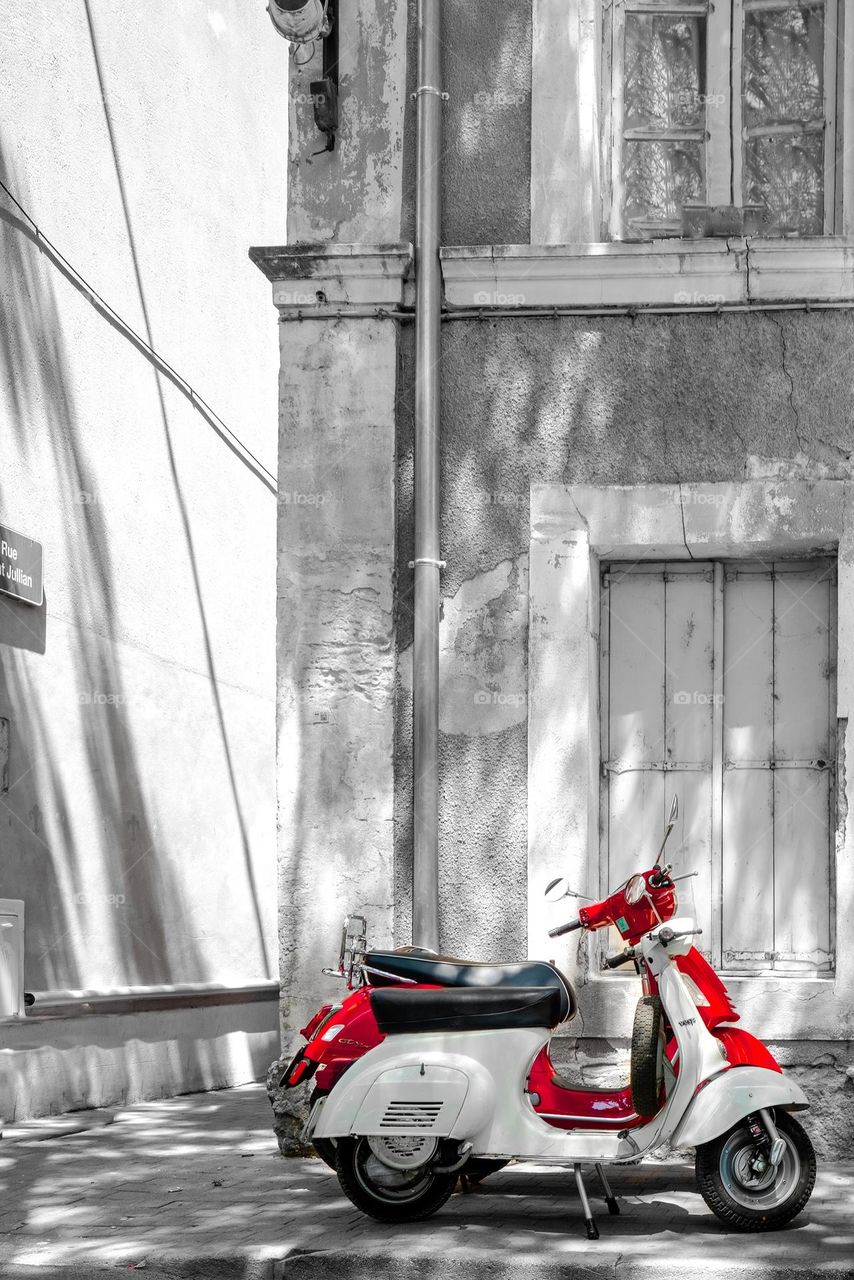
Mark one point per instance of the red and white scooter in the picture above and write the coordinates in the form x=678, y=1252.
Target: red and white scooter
x=459, y=1077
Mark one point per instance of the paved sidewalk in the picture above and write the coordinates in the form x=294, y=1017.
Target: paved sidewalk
x=195, y=1187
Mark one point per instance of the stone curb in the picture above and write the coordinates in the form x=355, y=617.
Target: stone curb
x=465, y=1265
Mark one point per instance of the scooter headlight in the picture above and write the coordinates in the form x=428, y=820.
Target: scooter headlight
x=634, y=890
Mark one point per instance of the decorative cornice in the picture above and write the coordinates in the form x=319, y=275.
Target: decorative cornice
x=306, y=277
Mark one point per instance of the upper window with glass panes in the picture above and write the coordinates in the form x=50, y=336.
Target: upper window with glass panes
x=722, y=117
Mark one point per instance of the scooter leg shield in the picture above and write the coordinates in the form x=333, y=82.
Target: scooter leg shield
x=731, y=1096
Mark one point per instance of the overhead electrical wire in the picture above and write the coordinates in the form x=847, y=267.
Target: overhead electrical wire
x=100, y=304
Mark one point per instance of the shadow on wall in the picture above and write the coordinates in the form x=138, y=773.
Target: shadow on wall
x=45, y=843
x=75, y=813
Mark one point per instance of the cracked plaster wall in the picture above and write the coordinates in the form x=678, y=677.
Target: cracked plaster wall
x=599, y=401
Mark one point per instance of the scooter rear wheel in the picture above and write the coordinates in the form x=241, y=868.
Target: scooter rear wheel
x=385, y=1192
x=745, y=1199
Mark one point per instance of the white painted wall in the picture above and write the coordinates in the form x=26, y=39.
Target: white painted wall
x=139, y=824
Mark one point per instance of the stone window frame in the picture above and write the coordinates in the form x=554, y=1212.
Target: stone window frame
x=574, y=528
x=568, y=160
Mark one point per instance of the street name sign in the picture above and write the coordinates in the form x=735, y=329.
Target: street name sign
x=21, y=566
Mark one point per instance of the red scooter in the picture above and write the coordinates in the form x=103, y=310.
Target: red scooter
x=340, y=1034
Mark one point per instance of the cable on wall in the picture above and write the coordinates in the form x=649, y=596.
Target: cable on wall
x=213, y=420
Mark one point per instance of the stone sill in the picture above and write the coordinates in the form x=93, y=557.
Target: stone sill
x=677, y=274
x=772, y=1007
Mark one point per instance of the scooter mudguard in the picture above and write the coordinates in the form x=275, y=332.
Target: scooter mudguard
x=732, y=1095
x=744, y=1050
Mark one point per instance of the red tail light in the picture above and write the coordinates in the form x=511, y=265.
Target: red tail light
x=317, y=1021
x=299, y=1071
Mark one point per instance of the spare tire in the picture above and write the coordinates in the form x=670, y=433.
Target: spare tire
x=647, y=1066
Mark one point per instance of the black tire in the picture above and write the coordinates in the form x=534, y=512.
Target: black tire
x=647, y=1066
x=754, y=1203
x=479, y=1168
x=389, y=1195
x=325, y=1148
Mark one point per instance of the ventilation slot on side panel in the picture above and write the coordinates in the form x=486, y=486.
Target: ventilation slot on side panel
x=411, y=1115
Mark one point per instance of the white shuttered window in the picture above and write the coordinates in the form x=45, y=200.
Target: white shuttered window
x=718, y=684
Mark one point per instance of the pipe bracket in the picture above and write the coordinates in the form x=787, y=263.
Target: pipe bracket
x=437, y=564
x=430, y=88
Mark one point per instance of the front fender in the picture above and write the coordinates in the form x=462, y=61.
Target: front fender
x=730, y=1097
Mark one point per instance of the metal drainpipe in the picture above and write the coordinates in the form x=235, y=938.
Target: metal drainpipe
x=427, y=564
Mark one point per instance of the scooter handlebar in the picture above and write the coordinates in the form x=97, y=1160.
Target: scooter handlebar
x=565, y=928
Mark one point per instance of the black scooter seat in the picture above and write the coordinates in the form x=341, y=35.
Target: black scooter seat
x=399, y=1011
x=414, y=965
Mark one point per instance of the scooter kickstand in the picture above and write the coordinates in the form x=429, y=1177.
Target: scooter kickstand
x=610, y=1198
x=592, y=1229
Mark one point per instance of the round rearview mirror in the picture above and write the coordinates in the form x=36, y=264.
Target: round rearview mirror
x=634, y=890
x=557, y=889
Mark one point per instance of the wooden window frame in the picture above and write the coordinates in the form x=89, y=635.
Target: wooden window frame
x=719, y=571
x=723, y=155
x=570, y=128
x=575, y=528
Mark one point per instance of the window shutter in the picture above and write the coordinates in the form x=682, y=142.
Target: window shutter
x=718, y=684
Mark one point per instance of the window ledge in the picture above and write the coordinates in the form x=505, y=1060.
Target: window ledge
x=664, y=274
x=769, y=1007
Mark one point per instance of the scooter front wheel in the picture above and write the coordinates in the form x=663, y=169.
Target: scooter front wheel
x=746, y=1192
x=392, y=1179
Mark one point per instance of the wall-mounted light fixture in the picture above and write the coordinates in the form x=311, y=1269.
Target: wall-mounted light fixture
x=299, y=21
x=304, y=22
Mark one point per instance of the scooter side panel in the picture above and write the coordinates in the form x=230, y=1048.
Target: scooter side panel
x=730, y=1097
x=422, y=1098
x=496, y=1116
x=421, y=1068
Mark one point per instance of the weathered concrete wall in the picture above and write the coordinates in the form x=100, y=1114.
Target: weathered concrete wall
x=601, y=401
x=597, y=401
x=354, y=194
x=364, y=190
x=335, y=647
x=149, y=144
x=486, y=172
